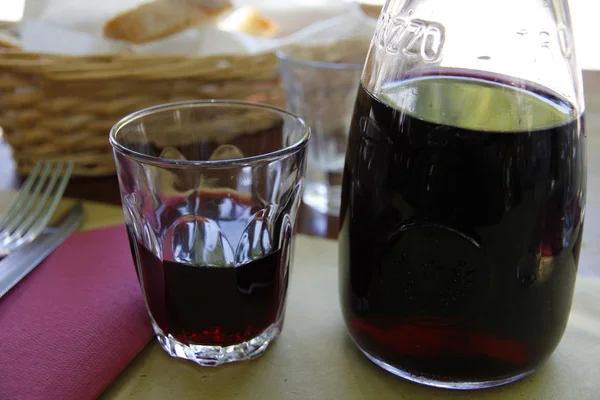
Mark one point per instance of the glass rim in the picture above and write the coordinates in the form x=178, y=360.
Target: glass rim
x=282, y=55
x=154, y=160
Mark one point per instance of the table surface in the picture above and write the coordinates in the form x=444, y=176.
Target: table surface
x=313, y=359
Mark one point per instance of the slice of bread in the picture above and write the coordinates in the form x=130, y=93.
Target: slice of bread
x=371, y=9
x=161, y=18
x=248, y=20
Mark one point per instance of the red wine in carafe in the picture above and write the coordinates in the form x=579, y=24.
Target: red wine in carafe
x=461, y=225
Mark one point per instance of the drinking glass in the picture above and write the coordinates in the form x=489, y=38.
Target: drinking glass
x=210, y=192
x=322, y=91
x=464, y=190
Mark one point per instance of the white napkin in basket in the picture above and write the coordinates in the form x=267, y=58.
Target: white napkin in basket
x=75, y=27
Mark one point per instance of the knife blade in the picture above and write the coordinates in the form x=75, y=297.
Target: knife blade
x=22, y=261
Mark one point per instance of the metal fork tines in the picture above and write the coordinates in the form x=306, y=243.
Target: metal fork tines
x=31, y=210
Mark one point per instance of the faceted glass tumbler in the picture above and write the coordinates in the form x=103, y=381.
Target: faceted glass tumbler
x=210, y=193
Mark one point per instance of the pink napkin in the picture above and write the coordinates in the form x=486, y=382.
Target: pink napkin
x=71, y=326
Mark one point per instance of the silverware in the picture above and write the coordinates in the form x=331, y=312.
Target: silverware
x=22, y=261
x=31, y=210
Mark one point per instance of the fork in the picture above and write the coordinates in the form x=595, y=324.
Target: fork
x=30, y=212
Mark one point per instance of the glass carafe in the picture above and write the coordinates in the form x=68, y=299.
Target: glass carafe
x=464, y=190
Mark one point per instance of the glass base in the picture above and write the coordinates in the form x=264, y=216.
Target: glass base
x=212, y=356
x=323, y=198
x=424, y=380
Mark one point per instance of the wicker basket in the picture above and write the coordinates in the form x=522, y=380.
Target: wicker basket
x=62, y=107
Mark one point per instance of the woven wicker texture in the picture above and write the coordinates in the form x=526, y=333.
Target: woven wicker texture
x=62, y=107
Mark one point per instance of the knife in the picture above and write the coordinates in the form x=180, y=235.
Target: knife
x=22, y=261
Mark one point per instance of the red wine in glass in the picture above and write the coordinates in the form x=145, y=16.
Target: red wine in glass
x=213, y=305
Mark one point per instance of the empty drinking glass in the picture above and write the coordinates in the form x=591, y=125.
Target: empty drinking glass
x=320, y=85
